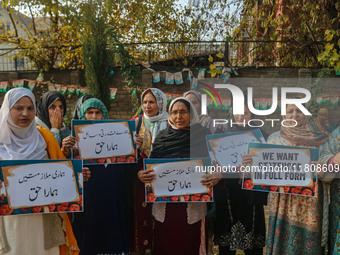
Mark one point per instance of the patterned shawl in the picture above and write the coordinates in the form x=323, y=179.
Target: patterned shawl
x=159, y=122
x=304, y=135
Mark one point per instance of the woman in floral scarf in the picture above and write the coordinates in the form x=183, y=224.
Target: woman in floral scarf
x=295, y=222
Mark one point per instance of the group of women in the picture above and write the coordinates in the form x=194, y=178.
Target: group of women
x=296, y=224
x=117, y=220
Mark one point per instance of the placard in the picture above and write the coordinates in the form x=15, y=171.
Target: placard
x=40, y=186
x=178, y=180
x=104, y=141
x=284, y=169
x=228, y=149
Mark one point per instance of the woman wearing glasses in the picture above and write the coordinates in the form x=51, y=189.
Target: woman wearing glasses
x=178, y=225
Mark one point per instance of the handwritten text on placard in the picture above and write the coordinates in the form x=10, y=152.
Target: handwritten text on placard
x=178, y=178
x=229, y=150
x=103, y=140
x=40, y=184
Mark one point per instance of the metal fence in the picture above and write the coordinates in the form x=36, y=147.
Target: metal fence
x=197, y=53
x=186, y=54
x=235, y=53
x=11, y=60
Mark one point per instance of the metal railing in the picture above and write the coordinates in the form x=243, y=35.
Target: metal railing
x=10, y=60
x=235, y=53
x=186, y=54
x=197, y=53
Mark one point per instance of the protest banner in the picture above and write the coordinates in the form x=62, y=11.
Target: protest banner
x=279, y=168
x=40, y=186
x=228, y=149
x=177, y=180
x=104, y=141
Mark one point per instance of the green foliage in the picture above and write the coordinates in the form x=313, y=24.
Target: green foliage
x=99, y=59
x=103, y=51
x=312, y=105
x=128, y=69
x=331, y=55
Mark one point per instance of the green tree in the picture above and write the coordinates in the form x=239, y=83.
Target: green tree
x=99, y=59
x=102, y=51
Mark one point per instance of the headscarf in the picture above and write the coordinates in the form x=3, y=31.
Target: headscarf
x=178, y=143
x=205, y=120
x=304, y=135
x=320, y=120
x=158, y=122
x=241, y=128
x=194, y=92
x=92, y=103
x=17, y=142
x=78, y=105
x=193, y=113
x=46, y=102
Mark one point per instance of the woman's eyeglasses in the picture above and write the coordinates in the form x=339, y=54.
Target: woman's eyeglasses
x=175, y=113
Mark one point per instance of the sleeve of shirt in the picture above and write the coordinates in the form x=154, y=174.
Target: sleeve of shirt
x=56, y=134
x=64, y=132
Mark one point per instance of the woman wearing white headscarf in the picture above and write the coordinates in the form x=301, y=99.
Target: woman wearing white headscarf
x=21, y=139
x=205, y=120
x=154, y=120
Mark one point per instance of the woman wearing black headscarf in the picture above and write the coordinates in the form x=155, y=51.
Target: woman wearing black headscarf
x=240, y=222
x=178, y=225
x=79, y=104
x=51, y=108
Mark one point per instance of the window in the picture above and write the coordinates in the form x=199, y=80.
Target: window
x=4, y=28
x=20, y=63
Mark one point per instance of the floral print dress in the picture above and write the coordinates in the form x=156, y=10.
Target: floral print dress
x=328, y=151
x=294, y=223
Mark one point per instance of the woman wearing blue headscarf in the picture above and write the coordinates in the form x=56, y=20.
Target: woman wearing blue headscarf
x=104, y=229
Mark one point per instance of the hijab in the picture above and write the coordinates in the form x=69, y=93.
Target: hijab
x=194, y=119
x=79, y=104
x=181, y=143
x=18, y=142
x=205, y=120
x=45, y=102
x=194, y=92
x=321, y=119
x=158, y=122
x=304, y=135
x=92, y=103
